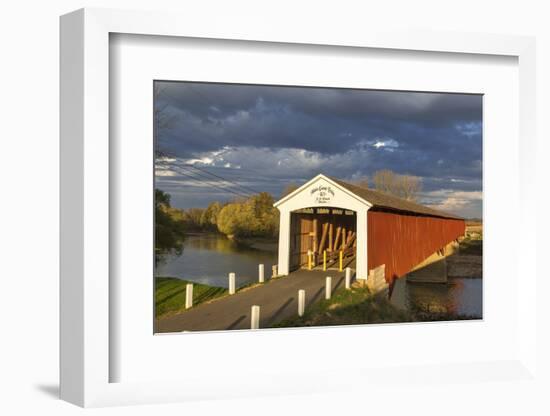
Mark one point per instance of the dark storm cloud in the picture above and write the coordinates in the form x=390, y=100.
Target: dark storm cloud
x=293, y=133
x=207, y=116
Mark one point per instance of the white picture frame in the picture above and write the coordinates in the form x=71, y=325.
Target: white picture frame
x=86, y=356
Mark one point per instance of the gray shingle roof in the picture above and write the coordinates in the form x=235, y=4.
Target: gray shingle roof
x=389, y=202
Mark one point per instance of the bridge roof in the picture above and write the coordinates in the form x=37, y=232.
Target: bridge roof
x=389, y=202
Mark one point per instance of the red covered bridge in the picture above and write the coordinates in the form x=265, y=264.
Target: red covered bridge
x=328, y=223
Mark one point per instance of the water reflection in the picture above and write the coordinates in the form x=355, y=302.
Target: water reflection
x=459, y=296
x=208, y=258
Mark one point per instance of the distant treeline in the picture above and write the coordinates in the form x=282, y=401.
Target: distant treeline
x=254, y=216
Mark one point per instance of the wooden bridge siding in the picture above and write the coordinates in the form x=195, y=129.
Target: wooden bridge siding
x=402, y=241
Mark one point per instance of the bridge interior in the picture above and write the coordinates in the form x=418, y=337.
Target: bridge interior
x=319, y=236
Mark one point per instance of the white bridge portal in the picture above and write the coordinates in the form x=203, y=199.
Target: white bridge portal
x=320, y=198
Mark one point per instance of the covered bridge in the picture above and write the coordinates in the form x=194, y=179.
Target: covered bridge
x=326, y=220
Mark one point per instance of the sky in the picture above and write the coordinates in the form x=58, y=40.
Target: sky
x=221, y=141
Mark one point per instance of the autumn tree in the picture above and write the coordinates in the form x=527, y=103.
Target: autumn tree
x=209, y=217
x=253, y=217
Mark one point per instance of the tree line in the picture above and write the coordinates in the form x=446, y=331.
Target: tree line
x=254, y=216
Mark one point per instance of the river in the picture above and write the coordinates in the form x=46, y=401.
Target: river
x=209, y=258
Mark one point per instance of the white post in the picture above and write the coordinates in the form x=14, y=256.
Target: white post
x=274, y=270
x=301, y=302
x=231, y=283
x=261, y=273
x=255, y=317
x=188, y=295
x=328, y=287
x=348, y=278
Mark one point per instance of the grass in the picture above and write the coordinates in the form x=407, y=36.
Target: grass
x=358, y=306
x=348, y=307
x=170, y=295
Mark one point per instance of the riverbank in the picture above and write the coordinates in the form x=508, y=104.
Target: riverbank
x=357, y=306
x=259, y=243
x=208, y=258
x=468, y=261
x=353, y=306
x=170, y=295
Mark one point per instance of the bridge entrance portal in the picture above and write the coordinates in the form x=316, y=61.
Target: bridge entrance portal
x=322, y=237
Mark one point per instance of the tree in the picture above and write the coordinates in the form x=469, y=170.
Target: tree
x=363, y=182
x=193, y=218
x=232, y=220
x=385, y=181
x=291, y=187
x=209, y=218
x=253, y=217
x=169, y=226
x=163, y=120
x=266, y=217
x=410, y=187
x=403, y=186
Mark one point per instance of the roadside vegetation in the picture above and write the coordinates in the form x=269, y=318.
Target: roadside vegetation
x=348, y=307
x=358, y=306
x=170, y=295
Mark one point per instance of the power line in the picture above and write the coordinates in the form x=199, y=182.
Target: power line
x=226, y=180
x=199, y=179
x=212, y=185
x=200, y=173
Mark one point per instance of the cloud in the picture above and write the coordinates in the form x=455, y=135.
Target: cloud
x=466, y=203
x=251, y=132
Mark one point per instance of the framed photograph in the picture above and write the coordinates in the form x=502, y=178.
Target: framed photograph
x=324, y=187
x=290, y=196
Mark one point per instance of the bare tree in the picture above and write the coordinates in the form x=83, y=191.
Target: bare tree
x=291, y=187
x=163, y=121
x=410, y=187
x=363, y=182
x=403, y=186
x=384, y=181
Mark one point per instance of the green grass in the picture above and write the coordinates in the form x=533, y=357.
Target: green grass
x=358, y=306
x=170, y=295
x=348, y=307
